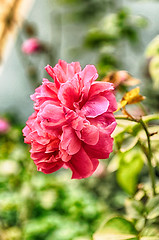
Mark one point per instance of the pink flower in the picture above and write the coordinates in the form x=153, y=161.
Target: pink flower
x=4, y=126
x=31, y=45
x=73, y=120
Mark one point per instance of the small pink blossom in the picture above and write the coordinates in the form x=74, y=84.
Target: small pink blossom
x=73, y=120
x=31, y=45
x=4, y=126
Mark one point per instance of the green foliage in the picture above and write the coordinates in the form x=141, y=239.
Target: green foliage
x=152, y=55
x=108, y=34
x=143, y=225
x=39, y=206
x=86, y=10
x=152, y=207
x=154, y=71
x=130, y=165
x=117, y=228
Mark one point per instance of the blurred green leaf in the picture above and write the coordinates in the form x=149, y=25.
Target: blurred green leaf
x=152, y=49
x=150, y=232
x=130, y=166
x=154, y=71
x=152, y=207
x=152, y=202
x=150, y=238
x=117, y=228
x=135, y=209
x=128, y=143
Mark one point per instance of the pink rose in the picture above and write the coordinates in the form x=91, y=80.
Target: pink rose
x=4, y=126
x=31, y=45
x=73, y=120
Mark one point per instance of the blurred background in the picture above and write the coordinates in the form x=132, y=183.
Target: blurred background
x=112, y=35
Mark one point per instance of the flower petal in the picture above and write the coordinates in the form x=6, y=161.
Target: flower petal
x=102, y=149
x=49, y=167
x=53, y=115
x=105, y=122
x=45, y=92
x=85, y=79
x=95, y=107
x=89, y=74
x=69, y=141
x=73, y=119
x=112, y=102
x=100, y=87
x=63, y=71
x=90, y=134
x=67, y=95
x=82, y=165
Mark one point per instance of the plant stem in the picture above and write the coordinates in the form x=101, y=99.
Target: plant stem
x=150, y=117
x=149, y=157
x=146, y=119
x=149, y=153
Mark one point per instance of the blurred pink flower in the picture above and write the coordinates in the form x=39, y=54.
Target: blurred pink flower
x=31, y=45
x=4, y=126
x=121, y=78
x=73, y=120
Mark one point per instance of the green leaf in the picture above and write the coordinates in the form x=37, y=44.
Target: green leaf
x=114, y=164
x=150, y=238
x=150, y=233
x=153, y=48
x=116, y=228
x=135, y=209
x=154, y=71
x=130, y=166
x=152, y=202
x=154, y=213
x=152, y=207
x=128, y=143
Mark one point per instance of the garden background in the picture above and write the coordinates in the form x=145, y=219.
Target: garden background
x=113, y=35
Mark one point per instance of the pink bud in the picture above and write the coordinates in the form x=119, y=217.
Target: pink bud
x=31, y=45
x=4, y=126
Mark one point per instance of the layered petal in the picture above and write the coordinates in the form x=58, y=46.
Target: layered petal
x=73, y=119
x=47, y=91
x=63, y=71
x=53, y=119
x=89, y=134
x=98, y=88
x=82, y=165
x=49, y=167
x=86, y=78
x=95, y=107
x=68, y=95
x=105, y=122
x=69, y=141
x=105, y=144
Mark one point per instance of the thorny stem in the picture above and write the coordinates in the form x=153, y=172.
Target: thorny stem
x=149, y=153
